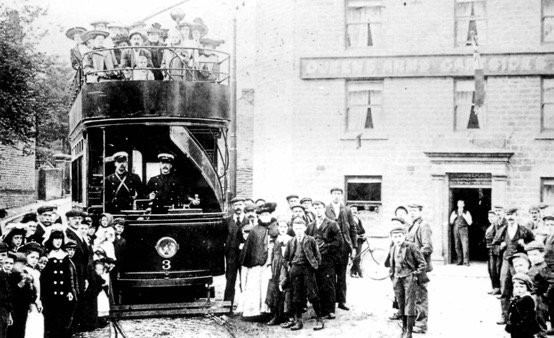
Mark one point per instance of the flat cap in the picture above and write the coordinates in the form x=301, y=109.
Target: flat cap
x=534, y=208
x=266, y=207
x=498, y=206
x=4, y=247
x=119, y=220
x=292, y=196
x=300, y=206
x=74, y=213
x=70, y=244
x=250, y=207
x=237, y=199
x=519, y=255
x=318, y=202
x=45, y=208
x=305, y=199
x=548, y=218
x=166, y=157
x=534, y=245
x=524, y=278
x=298, y=220
x=543, y=206
x=510, y=211
x=336, y=189
x=415, y=205
x=398, y=228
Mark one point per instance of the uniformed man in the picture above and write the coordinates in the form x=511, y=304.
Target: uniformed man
x=167, y=189
x=420, y=234
x=336, y=211
x=235, y=223
x=122, y=187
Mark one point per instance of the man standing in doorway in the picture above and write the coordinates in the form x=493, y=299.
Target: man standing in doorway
x=420, y=234
x=461, y=220
x=336, y=211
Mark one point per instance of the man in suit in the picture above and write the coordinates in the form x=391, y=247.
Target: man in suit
x=329, y=241
x=129, y=57
x=420, y=233
x=122, y=187
x=80, y=259
x=336, y=211
x=6, y=318
x=235, y=223
x=45, y=219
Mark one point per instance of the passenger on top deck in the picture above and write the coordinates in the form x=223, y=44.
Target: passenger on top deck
x=157, y=53
x=129, y=57
x=77, y=52
x=187, y=42
x=174, y=58
x=120, y=40
x=100, y=25
x=141, y=73
x=208, y=61
x=98, y=60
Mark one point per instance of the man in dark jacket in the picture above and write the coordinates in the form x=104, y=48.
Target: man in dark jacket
x=329, y=241
x=234, y=224
x=407, y=271
x=511, y=239
x=355, y=270
x=5, y=294
x=122, y=187
x=420, y=234
x=129, y=57
x=336, y=211
x=157, y=53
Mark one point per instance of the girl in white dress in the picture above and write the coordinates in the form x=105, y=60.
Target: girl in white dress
x=35, y=320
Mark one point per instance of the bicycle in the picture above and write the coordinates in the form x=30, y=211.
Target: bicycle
x=372, y=260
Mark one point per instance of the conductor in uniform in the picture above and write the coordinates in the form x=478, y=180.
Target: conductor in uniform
x=167, y=189
x=122, y=187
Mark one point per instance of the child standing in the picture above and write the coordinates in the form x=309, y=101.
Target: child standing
x=303, y=257
x=275, y=297
x=522, y=322
x=543, y=282
x=407, y=269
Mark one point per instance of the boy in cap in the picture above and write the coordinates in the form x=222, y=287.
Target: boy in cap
x=306, y=202
x=521, y=317
x=543, y=282
x=520, y=262
x=303, y=257
x=407, y=267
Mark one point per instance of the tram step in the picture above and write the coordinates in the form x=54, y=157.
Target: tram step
x=169, y=309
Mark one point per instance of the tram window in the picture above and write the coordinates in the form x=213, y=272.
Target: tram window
x=137, y=163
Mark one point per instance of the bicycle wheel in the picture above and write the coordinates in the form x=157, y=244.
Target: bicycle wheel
x=373, y=264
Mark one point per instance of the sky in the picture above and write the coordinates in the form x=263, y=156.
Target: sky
x=217, y=15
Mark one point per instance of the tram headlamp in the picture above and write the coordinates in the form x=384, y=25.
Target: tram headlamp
x=167, y=247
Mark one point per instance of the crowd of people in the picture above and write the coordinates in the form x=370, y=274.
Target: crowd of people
x=54, y=275
x=288, y=261
x=109, y=52
x=521, y=269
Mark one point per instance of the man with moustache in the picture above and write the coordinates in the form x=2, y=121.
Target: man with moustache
x=235, y=223
x=511, y=239
x=329, y=241
x=122, y=187
x=167, y=189
x=336, y=211
x=129, y=57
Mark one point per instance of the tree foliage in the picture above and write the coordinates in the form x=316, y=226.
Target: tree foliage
x=33, y=97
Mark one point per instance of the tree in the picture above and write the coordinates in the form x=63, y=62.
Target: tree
x=22, y=97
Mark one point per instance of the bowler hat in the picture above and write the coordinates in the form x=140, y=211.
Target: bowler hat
x=74, y=30
x=534, y=245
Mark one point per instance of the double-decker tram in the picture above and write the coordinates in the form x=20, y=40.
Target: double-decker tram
x=174, y=227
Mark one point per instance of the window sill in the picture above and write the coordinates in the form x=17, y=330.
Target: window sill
x=545, y=135
x=366, y=135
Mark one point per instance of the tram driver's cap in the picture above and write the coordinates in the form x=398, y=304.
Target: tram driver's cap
x=165, y=157
x=74, y=30
x=120, y=156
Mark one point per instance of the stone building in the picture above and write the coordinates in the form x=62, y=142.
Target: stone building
x=376, y=96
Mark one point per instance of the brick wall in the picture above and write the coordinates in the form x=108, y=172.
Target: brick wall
x=17, y=178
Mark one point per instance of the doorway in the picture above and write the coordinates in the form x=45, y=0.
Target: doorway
x=478, y=203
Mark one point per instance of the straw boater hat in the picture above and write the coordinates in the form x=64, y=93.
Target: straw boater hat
x=92, y=34
x=74, y=30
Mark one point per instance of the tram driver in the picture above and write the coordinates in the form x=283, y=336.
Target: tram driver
x=122, y=187
x=168, y=190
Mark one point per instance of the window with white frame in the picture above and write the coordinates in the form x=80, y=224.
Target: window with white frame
x=548, y=20
x=364, y=105
x=363, y=23
x=547, y=104
x=471, y=19
x=363, y=189
x=467, y=116
x=547, y=190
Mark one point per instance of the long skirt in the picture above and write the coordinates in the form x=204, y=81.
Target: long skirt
x=35, y=324
x=255, y=281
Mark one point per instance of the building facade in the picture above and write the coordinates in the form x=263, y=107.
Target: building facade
x=377, y=97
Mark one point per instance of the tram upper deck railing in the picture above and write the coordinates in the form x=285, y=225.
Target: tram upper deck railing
x=190, y=83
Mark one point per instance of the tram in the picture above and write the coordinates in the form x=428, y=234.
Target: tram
x=170, y=259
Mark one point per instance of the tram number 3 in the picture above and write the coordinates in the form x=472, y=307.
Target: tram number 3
x=166, y=264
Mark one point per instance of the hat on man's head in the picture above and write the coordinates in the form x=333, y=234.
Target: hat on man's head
x=300, y=206
x=249, y=207
x=3, y=247
x=237, y=199
x=415, y=205
x=543, y=206
x=305, y=199
x=336, y=189
x=45, y=208
x=291, y=196
x=524, y=278
x=74, y=213
x=534, y=245
x=70, y=33
x=29, y=217
x=135, y=32
x=155, y=28
x=492, y=212
x=548, y=218
x=519, y=255
x=166, y=157
x=120, y=156
x=266, y=207
x=119, y=220
x=298, y=220
x=512, y=210
x=318, y=202
x=70, y=244
x=534, y=208
x=398, y=228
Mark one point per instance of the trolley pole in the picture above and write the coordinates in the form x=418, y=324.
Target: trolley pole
x=233, y=115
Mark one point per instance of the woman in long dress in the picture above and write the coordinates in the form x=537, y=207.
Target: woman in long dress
x=58, y=293
x=256, y=261
x=35, y=320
